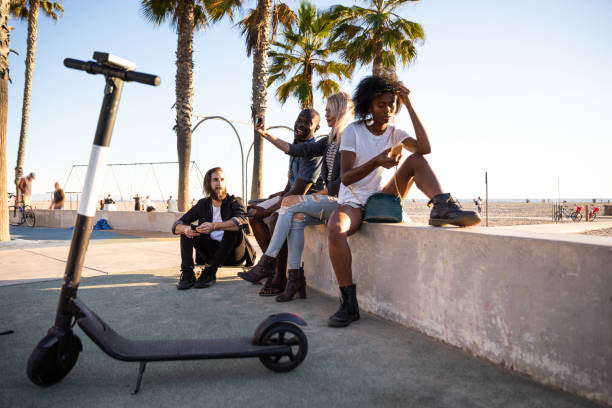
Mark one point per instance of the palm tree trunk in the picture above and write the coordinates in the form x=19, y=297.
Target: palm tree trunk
x=4, y=76
x=259, y=89
x=184, y=97
x=377, y=66
x=27, y=87
x=309, y=103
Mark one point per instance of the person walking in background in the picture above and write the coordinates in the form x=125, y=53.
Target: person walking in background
x=479, y=204
x=58, y=198
x=25, y=188
x=137, y=199
x=171, y=205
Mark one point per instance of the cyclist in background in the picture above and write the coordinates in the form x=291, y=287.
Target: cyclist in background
x=25, y=188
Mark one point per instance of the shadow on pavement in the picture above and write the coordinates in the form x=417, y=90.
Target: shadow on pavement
x=371, y=363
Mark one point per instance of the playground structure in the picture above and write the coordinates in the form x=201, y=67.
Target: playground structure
x=126, y=192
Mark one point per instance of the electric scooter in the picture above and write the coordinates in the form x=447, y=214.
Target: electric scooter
x=278, y=342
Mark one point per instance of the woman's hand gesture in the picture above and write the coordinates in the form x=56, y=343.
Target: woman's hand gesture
x=403, y=94
x=387, y=162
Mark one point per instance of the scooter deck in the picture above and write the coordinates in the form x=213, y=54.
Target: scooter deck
x=124, y=349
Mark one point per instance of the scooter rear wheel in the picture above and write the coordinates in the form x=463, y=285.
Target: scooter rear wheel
x=285, y=334
x=47, y=365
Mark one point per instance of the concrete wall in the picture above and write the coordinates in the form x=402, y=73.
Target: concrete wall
x=122, y=220
x=540, y=304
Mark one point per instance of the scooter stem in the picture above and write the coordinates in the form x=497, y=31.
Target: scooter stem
x=87, y=209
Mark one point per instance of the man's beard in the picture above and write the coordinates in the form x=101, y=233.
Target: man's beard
x=218, y=195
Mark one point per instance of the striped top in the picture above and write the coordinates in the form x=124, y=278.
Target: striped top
x=330, y=157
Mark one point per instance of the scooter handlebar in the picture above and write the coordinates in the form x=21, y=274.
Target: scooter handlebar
x=92, y=67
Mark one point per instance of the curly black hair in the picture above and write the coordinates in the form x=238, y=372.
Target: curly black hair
x=368, y=89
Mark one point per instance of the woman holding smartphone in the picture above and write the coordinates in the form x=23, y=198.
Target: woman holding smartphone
x=296, y=211
x=366, y=151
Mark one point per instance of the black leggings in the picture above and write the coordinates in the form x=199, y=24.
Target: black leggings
x=230, y=251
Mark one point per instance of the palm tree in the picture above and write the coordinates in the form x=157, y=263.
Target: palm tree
x=24, y=9
x=186, y=16
x=376, y=35
x=256, y=29
x=303, y=53
x=259, y=28
x=5, y=31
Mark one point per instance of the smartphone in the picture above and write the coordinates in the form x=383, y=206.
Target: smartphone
x=193, y=227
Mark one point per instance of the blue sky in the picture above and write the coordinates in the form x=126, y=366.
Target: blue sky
x=521, y=89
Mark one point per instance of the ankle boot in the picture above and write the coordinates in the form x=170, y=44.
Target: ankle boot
x=207, y=278
x=349, y=309
x=295, y=285
x=446, y=210
x=263, y=269
x=187, y=278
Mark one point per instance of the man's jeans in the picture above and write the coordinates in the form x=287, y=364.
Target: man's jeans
x=230, y=251
x=316, y=209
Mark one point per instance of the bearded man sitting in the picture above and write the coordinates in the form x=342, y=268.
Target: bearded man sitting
x=215, y=228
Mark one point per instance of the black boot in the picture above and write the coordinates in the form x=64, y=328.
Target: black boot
x=446, y=210
x=207, y=278
x=295, y=285
x=349, y=309
x=263, y=269
x=187, y=278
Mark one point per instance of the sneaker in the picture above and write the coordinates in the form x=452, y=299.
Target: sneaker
x=447, y=210
x=207, y=278
x=187, y=279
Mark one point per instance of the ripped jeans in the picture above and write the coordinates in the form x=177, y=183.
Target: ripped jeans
x=316, y=210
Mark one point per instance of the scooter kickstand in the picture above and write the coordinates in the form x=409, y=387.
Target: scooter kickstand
x=143, y=365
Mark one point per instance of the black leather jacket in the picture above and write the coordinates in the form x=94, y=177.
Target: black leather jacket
x=231, y=208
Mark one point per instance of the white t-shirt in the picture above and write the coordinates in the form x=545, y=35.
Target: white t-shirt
x=216, y=235
x=172, y=207
x=366, y=145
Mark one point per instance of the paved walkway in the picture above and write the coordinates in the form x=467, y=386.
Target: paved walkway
x=130, y=282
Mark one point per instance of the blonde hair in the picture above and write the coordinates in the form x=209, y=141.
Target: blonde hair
x=342, y=108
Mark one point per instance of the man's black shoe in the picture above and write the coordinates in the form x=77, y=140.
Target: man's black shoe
x=446, y=210
x=187, y=279
x=207, y=278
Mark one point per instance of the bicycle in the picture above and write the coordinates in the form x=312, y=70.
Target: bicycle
x=563, y=211
x=26, y=213
x=593, y=212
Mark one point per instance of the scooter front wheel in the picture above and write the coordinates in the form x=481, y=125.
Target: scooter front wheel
x=53, y=358
x=289, y=335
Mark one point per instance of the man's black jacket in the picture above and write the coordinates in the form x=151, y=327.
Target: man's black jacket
x=231, y=208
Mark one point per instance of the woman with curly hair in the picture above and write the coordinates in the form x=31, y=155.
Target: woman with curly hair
x=296, y=211
x=369, y=146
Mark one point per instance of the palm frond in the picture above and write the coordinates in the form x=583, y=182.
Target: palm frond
x=250, y=30
x=328, y=87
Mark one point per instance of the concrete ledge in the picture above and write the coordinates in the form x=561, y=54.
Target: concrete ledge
x=122, y=220
x=540, y=304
